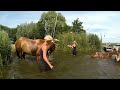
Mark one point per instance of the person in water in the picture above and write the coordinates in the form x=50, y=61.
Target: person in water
x=117, y=57
x=73, y=46
x=44, y=62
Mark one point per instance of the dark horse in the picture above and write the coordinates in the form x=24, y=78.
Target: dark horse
x=31, y=47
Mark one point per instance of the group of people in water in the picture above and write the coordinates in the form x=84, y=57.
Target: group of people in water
x=46, y=65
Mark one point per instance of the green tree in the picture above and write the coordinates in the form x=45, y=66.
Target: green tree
x=52, y=22
x=41, y=30
x=29, y=30
x=11, y=32
x=77, y=26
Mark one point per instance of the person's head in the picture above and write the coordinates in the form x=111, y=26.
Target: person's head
x=48, y=39
x=74, y=42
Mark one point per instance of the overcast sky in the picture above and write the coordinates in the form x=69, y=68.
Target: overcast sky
x=102, y=23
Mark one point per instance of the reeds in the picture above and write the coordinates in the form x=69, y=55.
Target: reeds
x=85, y=42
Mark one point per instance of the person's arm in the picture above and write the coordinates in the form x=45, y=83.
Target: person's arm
x=73, y=45
x=70, y=46
x=45, y=57
x=116, y=57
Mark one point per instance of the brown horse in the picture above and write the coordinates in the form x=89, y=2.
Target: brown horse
x=104, y=55
x=31, y=47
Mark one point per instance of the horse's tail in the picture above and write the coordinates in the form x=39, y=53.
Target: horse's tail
x=18, y=48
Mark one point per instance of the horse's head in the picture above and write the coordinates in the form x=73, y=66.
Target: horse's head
x=52, y=45
x=51, y=42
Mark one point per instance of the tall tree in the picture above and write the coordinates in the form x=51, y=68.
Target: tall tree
x=77, y=26
x=51, y=22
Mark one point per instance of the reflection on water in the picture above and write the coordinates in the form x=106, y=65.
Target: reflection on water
x=66, y=66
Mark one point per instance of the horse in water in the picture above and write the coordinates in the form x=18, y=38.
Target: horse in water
x=31, y=47
x=104, y=55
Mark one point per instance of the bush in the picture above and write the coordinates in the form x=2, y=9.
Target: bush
x=85, y=42
x=5, y=46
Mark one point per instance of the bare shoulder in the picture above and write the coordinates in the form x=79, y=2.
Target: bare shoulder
x=44, y=47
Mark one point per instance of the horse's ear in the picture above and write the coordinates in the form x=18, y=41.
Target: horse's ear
x=55, y=41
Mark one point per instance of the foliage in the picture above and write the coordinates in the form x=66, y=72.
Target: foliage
x=5, y=46
x=77, y=26
x=52, y=22
x=82, y=40
x=94, y=41
x=29, y=30
x=11, y=32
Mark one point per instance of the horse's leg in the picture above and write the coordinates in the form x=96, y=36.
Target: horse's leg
x=38, y=55
x=23, y=55
x=18, y=54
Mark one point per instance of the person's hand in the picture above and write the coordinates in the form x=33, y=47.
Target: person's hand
x=69, y=45
x=51, y=66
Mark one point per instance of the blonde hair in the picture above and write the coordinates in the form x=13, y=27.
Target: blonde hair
x=48, y=37
x=74, y=42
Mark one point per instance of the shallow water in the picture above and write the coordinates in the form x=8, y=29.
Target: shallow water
x=66, y=66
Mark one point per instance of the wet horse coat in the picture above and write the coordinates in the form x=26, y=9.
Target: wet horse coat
x=31, y=47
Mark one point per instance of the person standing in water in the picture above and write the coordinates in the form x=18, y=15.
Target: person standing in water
x=117, y=57
x=45, y=65
x=73, y=46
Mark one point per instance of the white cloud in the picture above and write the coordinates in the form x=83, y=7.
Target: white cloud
x=105, y=23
